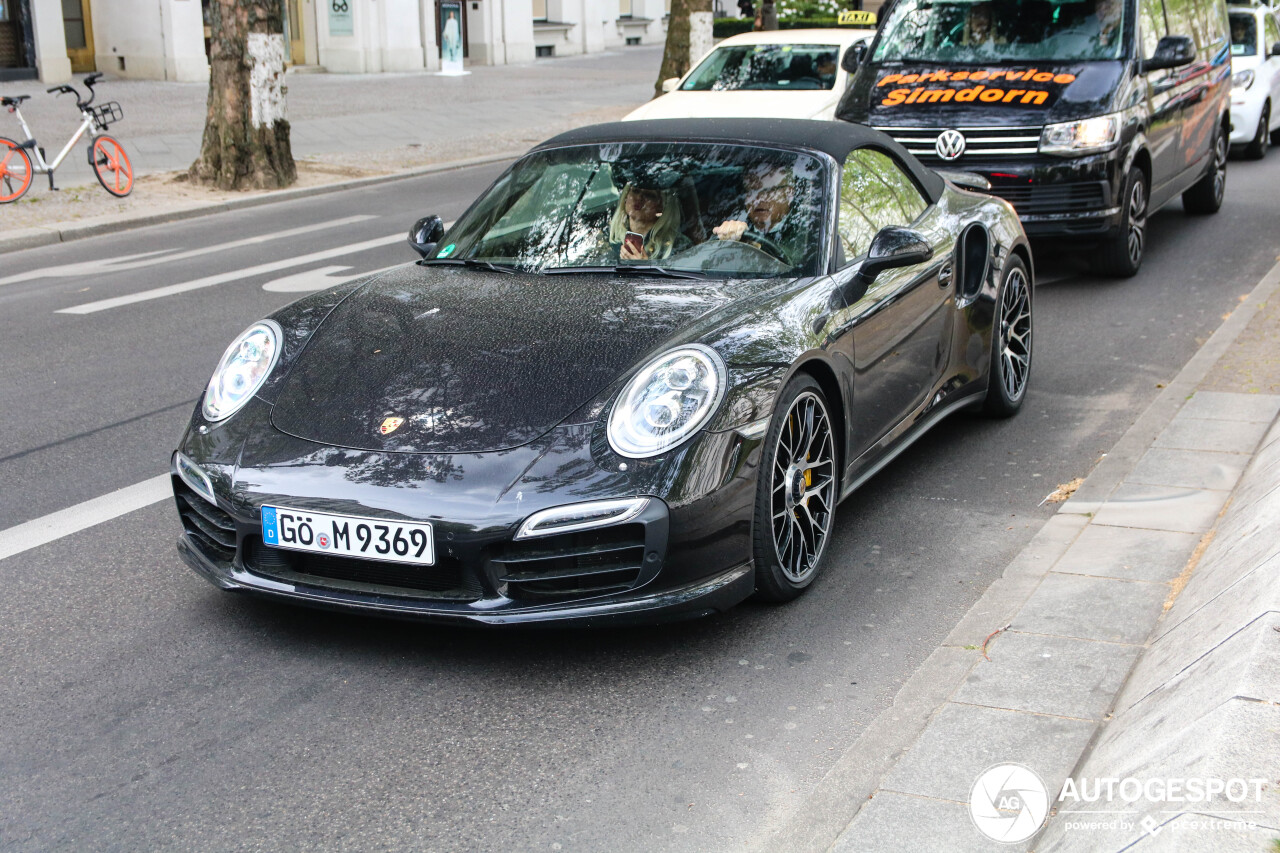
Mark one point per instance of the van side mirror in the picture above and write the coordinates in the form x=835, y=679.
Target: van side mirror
x=892, y=247
x=669, y=85
x=1275, y=49
x=1171, y=52
x=425, y=234
x=853, y=57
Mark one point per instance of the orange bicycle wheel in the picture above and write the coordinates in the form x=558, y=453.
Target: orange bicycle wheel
x=15, y=171
x=111, y=165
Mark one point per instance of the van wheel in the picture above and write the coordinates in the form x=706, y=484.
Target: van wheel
x=1257, y=148
x=1206, y=195
x=1120, y=255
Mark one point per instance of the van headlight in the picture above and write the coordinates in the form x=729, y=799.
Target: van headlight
x=244, y=367
x=1081, y=137
x=668, y=400
x=1242, y=79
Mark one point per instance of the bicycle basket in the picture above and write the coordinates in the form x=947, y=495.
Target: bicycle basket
x=107, y=114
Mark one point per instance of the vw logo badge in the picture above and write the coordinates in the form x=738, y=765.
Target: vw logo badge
x=949, y=144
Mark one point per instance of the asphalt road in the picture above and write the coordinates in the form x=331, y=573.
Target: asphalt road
x=142, y=708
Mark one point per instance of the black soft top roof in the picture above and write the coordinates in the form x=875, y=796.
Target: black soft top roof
x=836, y=138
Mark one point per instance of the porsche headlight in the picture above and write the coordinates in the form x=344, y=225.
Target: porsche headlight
x=244, y=367
x=1081, y=137
x=667, y=401
x=1242, y=79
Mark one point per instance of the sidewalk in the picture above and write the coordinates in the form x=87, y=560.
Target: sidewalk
x=342, y=127
x=1032, y=673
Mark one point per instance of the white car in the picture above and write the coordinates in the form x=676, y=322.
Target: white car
x=779, y=74
x=1255, y=79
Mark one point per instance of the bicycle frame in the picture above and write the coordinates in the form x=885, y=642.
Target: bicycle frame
x=40, y=165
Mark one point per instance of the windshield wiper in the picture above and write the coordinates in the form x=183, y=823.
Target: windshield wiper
x=474, y=263
x=628, y=269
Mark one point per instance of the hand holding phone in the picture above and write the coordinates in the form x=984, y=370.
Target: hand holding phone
x=633, y=246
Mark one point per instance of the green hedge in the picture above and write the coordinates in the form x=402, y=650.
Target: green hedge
x=725, y=27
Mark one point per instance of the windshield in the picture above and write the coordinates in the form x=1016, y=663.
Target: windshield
x=978, y=31
x=1244, y=34
x=721, y=210
x=766, y=66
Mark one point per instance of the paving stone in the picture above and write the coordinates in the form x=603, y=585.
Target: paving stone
x=961, y=741
x=898, y=823
x=1129, y=553
x=1203, y=434
x=1049, y=675
x=1087, y=608
x=1256, y=593
x=1217, y=405
x=1236, y=740
x=1188, y=677
x=1191, y=469
x=1162, y=508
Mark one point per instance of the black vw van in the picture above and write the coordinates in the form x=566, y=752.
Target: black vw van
x=1086, y=115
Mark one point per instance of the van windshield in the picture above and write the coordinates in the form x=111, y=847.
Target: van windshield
x=986, y=31
x=1244, y=34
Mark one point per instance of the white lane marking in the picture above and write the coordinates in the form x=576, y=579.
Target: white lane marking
x=43, y=530
x=319, y=279
x=164, y=256
x=233, y=275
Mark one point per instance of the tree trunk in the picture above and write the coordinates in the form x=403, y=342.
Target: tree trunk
x=246, y=136
x=688, y=37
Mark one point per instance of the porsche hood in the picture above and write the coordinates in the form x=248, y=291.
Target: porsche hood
x=440, y=359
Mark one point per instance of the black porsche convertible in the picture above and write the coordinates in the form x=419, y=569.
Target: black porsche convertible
x=632, y=382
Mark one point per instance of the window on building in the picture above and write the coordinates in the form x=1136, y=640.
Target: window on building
x=539, y=10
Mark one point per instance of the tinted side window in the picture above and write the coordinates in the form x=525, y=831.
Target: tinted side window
x=1272, y=32
x=874, y=192
x=1151, y=26
x=1181, y=17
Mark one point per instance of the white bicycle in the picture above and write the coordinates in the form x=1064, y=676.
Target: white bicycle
x=106, y=154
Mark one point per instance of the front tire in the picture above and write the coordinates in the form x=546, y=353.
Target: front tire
x=1010, y=343
x=795, y=492
x=1257, y=148
x=111, y=164
x=1206, y=196
x=1121, y=254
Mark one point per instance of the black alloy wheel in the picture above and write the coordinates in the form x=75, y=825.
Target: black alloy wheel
x=1257, y=148
x=1121, y=254
x=796, y=492
x=1206, y=196
x=1011, y=343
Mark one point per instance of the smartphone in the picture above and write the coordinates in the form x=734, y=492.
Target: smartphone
x=634, y=240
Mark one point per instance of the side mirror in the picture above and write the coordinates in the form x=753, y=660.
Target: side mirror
x=853, y=57
x=892, y=247
x=669, y=85
x=425, y=234
x=1275, y=49
x=1171, y=52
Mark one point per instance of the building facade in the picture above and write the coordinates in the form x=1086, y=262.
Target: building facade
x=168, y=39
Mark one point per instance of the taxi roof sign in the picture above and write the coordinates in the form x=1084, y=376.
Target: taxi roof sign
x=856, y=17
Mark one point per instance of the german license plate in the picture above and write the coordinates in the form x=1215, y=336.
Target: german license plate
x=348, y=535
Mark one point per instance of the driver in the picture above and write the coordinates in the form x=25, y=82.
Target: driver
x=768, y=192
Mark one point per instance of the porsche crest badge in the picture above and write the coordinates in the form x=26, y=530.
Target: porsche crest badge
x=390, y=425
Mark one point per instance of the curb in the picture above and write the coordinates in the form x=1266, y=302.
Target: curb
x=65, y=232
x=840, y=796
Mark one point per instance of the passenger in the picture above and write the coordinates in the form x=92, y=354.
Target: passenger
x=826, y=68
x=768, y=192
x=1089, y=35
x=646, y=224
